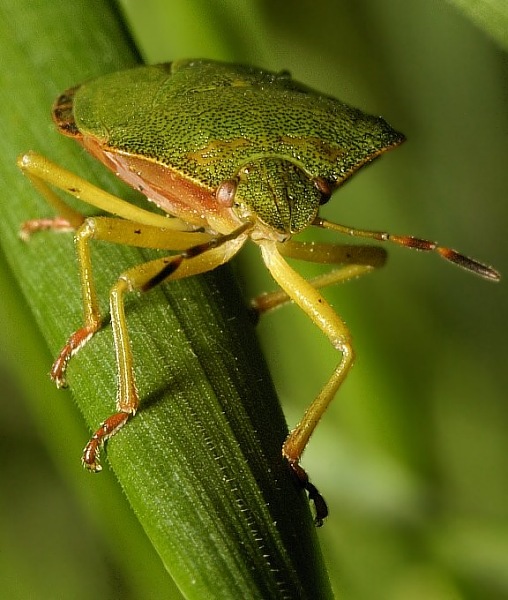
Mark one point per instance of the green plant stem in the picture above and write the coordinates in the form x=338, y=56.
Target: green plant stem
x=200, y=464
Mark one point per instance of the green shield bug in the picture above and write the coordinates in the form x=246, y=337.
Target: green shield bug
x=230, y=153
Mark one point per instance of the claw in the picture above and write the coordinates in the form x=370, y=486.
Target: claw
x=320, y=506
x=77, y=340
x=111, y=425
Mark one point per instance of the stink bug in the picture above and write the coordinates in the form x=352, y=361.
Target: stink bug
x=230, y=153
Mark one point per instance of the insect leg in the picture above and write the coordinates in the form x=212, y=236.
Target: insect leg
x=355, y=261
x=67, y=218
x=92, y=319
x=119, y=231
x=198, y=259
x=315, y=306
x=45, y=174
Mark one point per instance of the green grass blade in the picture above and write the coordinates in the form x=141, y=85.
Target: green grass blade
x=200, y=464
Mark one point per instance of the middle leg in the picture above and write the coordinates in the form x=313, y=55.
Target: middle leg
x=354, y=261
x=119, y=231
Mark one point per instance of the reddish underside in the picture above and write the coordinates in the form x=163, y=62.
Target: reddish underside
x=167, y=188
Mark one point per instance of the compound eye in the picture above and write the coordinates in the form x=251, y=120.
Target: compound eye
x=324, y=188
x=226, y=191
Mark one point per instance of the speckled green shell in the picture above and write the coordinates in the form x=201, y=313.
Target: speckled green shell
x=206, y=120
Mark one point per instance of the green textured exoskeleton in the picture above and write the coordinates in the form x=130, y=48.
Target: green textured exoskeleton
x=230, y=153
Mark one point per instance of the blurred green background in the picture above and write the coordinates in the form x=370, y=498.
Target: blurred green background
x=412, y=455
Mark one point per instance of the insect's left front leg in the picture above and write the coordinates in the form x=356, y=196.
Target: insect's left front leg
x=317, y=308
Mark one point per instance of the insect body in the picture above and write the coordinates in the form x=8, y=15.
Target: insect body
x=231, y=153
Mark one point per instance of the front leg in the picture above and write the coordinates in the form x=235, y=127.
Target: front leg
x=197, y=259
